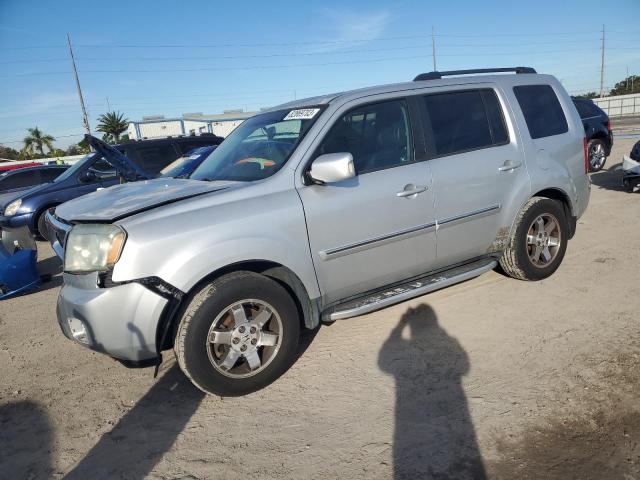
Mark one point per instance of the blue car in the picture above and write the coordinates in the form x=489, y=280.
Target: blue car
x=94, y=171
x=185, y=165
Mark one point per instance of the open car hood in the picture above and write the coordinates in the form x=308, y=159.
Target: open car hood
x=125, y=167
x=124, y=200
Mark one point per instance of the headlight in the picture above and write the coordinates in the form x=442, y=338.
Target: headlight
x=12, y=208
x=93, y=247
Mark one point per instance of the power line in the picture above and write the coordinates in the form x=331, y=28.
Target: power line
x=259, y=67
x=57, y=137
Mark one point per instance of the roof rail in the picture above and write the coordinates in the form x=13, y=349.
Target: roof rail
x=437, y=75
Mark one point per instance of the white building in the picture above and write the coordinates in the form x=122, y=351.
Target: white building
x=190, y=124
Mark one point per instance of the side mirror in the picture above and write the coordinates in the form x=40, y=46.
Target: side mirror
x=88, y=177
x=332, y=167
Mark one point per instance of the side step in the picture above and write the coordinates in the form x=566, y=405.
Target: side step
x=414, y=288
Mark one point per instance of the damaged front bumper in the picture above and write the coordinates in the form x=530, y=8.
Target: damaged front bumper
x=120, y=321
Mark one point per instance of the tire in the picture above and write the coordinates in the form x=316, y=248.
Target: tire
x=596, y=149
x=42, y=229
x=211, y=333
x=518, y=259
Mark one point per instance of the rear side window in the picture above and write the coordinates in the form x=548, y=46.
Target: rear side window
x=154, y=158
x=465, y=120
x=541, y=110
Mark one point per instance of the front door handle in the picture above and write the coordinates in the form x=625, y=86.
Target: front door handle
x=411, y=190
x=508, y=165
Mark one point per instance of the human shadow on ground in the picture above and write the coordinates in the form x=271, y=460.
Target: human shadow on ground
x=25, y=441
x=145, y=433
x=434, y=435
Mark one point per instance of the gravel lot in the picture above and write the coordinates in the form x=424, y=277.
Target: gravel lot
x=493, y=377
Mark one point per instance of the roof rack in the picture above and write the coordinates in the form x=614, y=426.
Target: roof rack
x=437, y=75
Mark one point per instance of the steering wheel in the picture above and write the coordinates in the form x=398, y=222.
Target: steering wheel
x=263, y=162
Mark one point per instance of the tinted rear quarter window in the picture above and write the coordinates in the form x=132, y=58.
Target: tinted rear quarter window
x=153, y=158
x=541, y=110
x=465, y=120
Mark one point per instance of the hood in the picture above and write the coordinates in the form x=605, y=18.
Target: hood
x=126, y=168
x=7, y=197
x=121, y=201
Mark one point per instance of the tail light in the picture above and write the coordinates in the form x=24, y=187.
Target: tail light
x=586, y=155
x=609, y=125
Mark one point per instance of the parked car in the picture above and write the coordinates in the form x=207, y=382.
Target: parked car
x=597, y=128
x=16, y=166
x=91, y=173
x=185, y=165
x=635, y=152
x=320, y=210
x=22, y=178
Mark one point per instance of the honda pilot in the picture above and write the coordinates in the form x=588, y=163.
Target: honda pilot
x=321, y=210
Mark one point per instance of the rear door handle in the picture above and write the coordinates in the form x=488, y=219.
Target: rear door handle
x=509, y=165
x=411, y=190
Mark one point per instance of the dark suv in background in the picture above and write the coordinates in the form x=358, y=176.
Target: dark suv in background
x=597, y=128
x=28, y=206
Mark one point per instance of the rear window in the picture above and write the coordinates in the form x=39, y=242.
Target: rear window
x=466, y=120
x=541, y=110
x=587, y=108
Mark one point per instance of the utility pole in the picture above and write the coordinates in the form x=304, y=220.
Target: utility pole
x=602, y=65
x=108, y=106
x=85, y=118
x=433, y=47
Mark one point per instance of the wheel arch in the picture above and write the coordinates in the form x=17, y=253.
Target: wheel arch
x=40, y=211
x=307, y=308
x=562, y=197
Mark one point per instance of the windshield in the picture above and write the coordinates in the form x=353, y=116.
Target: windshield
x=69, y=172
x=259, y=147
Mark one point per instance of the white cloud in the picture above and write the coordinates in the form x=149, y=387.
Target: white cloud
x=347, y=28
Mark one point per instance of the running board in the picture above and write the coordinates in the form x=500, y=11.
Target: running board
x=414, y=288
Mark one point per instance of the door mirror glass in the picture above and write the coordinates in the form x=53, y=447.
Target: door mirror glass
x=332, y=167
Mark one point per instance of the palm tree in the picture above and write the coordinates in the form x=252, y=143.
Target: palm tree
x=36, y=140
x=113, y=124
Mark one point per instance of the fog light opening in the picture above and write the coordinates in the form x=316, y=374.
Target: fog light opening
x=78, y=330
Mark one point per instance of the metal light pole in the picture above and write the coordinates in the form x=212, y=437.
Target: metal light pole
x=602, y=65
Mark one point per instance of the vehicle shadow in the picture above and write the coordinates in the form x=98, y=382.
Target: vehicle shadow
x=26, y=441
x=145, y=433
x=611, y=178
x=434, y=435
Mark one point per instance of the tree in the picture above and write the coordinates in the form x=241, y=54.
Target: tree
x=9, y=153
x=36, y=141
x=112, y=124
x=631, y=84
x=588, y=95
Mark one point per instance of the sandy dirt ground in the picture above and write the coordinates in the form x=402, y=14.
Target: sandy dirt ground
x=493, y=378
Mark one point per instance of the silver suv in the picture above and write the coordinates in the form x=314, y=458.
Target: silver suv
x=320, y=210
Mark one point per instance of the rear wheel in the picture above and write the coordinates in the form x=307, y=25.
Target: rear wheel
x=538, y=241
x=238, y=334
x=597, y=154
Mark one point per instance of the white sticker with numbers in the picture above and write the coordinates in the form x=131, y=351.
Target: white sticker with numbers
x=302, y=114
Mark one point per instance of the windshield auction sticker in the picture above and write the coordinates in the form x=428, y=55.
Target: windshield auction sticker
x=302, y=114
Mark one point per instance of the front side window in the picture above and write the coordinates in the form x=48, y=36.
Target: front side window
x=465, y=120
x=378, y=136
x=259, y=147
x=541, y=110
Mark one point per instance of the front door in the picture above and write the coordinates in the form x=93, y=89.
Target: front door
x=378, y=227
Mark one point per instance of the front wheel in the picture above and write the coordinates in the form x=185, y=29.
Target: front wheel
x=238, y=334
x=538, y=241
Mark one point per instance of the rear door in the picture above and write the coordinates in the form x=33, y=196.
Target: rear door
x=478, y=169
x=378, y=227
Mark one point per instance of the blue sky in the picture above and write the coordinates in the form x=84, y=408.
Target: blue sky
x=170, y=57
